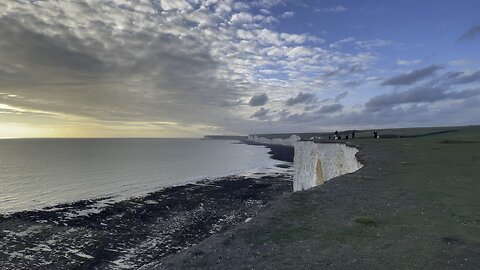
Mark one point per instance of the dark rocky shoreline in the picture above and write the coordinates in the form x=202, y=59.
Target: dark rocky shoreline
x=277, y=152
x=134, y=232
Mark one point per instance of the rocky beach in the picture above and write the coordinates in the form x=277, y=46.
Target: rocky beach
x=100, y=234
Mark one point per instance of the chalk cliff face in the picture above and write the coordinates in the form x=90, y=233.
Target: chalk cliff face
x=316, y=163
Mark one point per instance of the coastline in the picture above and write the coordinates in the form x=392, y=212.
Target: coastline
x=382, y=216
x=137, y=231
x=277, y=152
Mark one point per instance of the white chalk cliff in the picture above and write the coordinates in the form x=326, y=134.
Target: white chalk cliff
x=315, y=163
x=287, y=142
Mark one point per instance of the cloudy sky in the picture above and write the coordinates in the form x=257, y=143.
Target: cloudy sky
x=184, y=68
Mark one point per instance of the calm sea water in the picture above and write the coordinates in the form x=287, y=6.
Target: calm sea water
x=35, y=173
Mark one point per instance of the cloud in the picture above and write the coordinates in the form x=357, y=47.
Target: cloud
x=371, y=44
x=413, y=76
x=47, y=52
x=330, y=108
x=423, y=94
x=299, y=51
x=304, y=98
x=341, y=96
x=338, y=44
x=464, y=78
x=408, y=62
x=471, y=33
x=361, y=44
x=175, y=4
x=267, y=3
x=260, y=114
x=111, y=62
x=242, y=17
x=288, y=14
x=352, y=83
x=109, y=77
x=332, y=9
x=258, y=100
x=232, y=103
x=195, y=64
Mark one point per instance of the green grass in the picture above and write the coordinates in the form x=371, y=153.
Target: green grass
x=424, y=189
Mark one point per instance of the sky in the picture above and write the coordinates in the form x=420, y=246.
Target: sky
x=185, y=68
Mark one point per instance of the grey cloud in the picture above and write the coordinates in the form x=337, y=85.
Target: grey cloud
x=301, y=98
x=470, y=33
x=413, y=76
x=461, y=113
x=21, y=44
x=330, y=108
x=352, y=83
x=453, y=112
x=258, y=100
x=260, y=114
x=141, y=74
x=420, y=94
x=462, y=78
x=323, y=113
x=310, y=107
x=232, y=103
x=109, y=64
x=325, y=100
x=346, y=69
x=341, y=96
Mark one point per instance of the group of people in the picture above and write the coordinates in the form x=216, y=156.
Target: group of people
x=337, y=136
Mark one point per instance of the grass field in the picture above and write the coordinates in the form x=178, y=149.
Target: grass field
x=415, y=205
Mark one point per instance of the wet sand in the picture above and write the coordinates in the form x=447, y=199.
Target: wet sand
x=134, y=232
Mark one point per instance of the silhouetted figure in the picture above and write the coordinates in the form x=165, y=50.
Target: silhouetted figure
x=353, y=134
x=336, y=133
x=339, y=137
x=329, y=137
x=346, y=137
x=375, y=134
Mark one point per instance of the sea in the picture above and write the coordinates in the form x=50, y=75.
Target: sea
x=37, y=173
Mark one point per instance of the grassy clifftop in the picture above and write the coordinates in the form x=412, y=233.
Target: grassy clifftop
x=415, y=205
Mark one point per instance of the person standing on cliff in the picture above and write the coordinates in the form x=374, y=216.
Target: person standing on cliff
x=353, y=135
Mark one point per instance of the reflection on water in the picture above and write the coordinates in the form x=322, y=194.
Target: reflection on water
x=35, y=173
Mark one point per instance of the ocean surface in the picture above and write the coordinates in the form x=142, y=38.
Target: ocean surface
x=35, y=173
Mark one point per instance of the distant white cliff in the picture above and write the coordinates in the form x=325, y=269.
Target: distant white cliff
x=287, y=142
x=315, y=163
